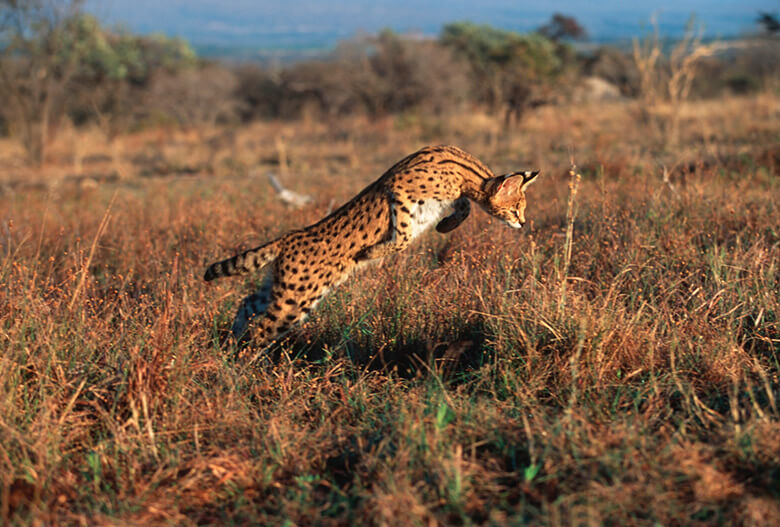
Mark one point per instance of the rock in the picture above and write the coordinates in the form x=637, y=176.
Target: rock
x=596, y=89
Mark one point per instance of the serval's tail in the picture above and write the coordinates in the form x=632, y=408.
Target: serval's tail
x=245, y=262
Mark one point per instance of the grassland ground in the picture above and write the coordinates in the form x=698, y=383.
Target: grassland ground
x=480, y=378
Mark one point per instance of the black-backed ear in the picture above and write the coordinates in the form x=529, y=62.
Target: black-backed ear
x=505, y=185
x=529, y=177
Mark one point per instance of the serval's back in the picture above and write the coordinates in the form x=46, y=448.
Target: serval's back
x=385, y=217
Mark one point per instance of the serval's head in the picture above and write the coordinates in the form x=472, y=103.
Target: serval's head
x=505, y=196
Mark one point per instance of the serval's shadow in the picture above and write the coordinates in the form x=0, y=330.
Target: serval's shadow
x=450, y=356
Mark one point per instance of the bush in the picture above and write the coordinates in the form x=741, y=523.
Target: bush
x=195, y=96
x=258, y=93
x=375, y=75
x=57, y=62
x=411, y=74
x=508, y=69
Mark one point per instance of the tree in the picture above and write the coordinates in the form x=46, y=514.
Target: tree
x=119, y=68
x=769, y=22
x=57, y=61
x=38, y=61
x=508, y=67
x=562, y=27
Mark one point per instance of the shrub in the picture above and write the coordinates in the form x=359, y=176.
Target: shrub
x=376, y=75
x=203, y=95
x=507, y=68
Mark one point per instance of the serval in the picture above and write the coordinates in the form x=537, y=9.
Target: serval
x=414, y=194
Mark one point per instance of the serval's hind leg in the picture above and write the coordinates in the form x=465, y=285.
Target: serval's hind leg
x=253, y=306
x=271, y=313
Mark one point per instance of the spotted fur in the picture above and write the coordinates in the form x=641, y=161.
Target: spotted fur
x=384, y=218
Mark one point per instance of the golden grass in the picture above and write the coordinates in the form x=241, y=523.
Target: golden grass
x=449, y=385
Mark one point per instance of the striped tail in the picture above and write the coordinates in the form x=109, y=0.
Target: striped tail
x=243, y=263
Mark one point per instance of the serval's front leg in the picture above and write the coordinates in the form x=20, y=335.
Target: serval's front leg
x=462, y=208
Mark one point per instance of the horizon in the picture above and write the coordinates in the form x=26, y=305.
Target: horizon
x=314, y=26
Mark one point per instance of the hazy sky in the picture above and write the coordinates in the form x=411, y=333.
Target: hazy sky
x=271, y=23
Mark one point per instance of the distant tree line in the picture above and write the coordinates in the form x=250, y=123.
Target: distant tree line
x=59, y=64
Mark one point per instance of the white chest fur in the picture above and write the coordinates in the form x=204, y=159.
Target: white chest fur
x=428, y=214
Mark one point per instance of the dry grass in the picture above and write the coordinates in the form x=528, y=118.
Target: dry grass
x=448, y=386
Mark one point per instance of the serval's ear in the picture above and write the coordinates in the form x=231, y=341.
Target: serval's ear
x=529, y=177
x=504, y=186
